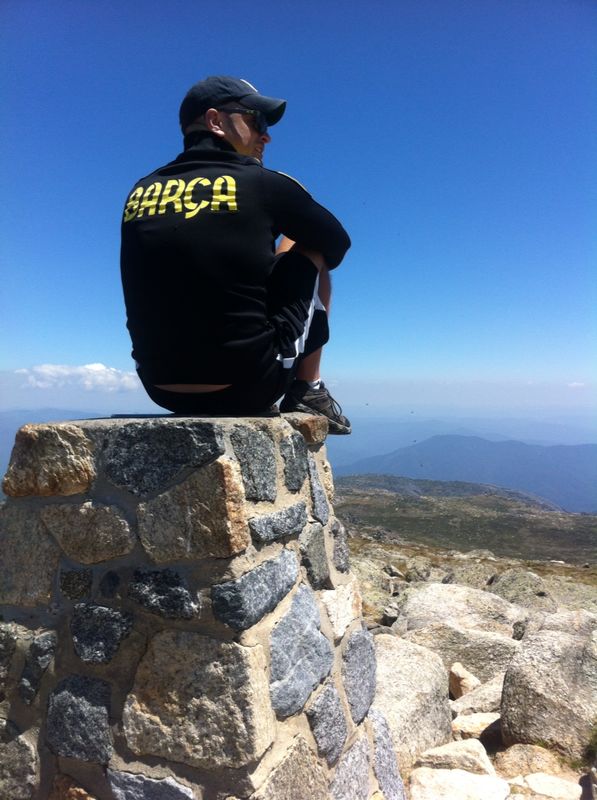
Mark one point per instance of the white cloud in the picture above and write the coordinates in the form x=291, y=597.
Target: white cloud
x=576, y=385
x=91, y=377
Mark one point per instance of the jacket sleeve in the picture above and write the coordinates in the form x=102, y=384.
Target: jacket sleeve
x=297, y=215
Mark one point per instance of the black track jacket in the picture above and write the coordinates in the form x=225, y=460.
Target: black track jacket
x=198, y=240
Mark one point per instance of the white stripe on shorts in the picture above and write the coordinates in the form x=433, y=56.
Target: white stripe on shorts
x=299, y=344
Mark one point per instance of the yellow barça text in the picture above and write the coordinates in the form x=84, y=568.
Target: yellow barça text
x=180, y=197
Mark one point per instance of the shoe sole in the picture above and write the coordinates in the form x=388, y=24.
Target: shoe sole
x=333, y=426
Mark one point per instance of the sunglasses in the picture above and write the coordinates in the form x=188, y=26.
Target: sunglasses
x=258, y=117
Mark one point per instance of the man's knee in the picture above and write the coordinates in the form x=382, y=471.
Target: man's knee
x=313, y=255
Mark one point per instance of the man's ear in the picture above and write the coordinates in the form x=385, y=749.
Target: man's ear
x=213, y=122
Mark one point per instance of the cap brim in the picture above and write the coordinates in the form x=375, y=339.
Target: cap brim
x=272, y=108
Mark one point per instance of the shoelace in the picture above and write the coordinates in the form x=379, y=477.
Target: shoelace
x=335, y=406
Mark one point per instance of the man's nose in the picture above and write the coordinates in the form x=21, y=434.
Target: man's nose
x=265, y=137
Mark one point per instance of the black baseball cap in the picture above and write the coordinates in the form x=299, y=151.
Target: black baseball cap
x=218, y=89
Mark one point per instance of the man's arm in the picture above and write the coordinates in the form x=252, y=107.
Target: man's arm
x=304, y=222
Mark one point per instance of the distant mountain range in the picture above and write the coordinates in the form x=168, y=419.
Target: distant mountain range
x=563, y=474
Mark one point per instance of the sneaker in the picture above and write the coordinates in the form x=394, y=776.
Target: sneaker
x=301, y=397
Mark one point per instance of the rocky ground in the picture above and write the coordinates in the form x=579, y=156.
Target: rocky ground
x=487, y=666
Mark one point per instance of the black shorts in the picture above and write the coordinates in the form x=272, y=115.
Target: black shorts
x=301, y=324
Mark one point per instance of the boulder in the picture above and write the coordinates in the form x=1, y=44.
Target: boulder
x=455, y=784
x=461, y=681
x=468, y=754
x=484, y=653
x=550, y=691
x=578, y=622
x=459, y=606
x=412, y=693
x=523, y=588
x=476, y=726
x=541, y=785
x=522, y=759
x=486, y=697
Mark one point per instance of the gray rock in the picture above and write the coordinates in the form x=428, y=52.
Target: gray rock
x=97, y=631
x=385, y=765
x=78, y=719
x=27, y=577
x=341, y=553
x=162, y=592
x=550, y=692
x=359, y=673
x=485, y=654
x=484, y=698
x=8, y=643
x=129, y=786
x=328, y=723
x=524, y=588
x=351, y=781
x=143, y=457
x=288, y=522
x=301, y=656
x=412, y=693
x=18, y=764
x=294, y=452
x=40, y=655
x=255, y=453
x=75, y=583
x=109, y=584
x=321, y=509
x=314, y=556
x=200, y=701
x=243, y=602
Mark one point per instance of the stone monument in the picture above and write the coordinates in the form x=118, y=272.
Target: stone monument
x=179, y=619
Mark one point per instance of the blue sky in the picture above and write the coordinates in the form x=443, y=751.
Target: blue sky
x=454, y=140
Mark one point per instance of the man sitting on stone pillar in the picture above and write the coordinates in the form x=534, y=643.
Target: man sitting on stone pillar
x=222, y=321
